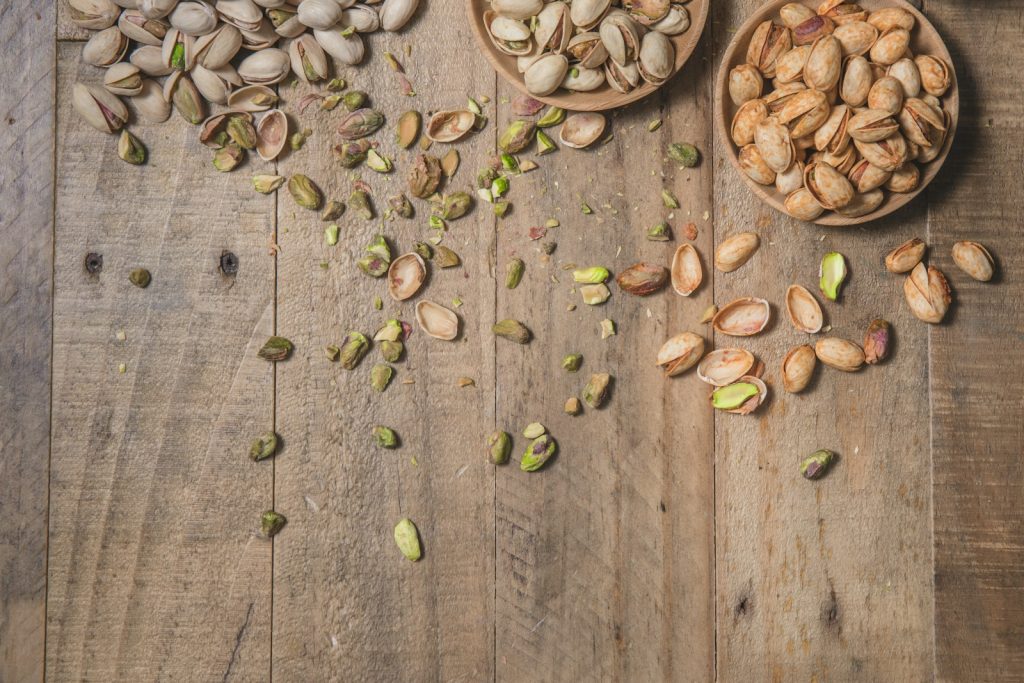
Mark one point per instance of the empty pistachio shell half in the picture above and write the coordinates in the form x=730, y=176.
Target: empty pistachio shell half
x=743, y=317
x=437, y=321
x=725, y=366
x=449, y=125
x=405, y=276
x=271, y=134
x=582, y=130
x=680, y=353
x=974, y=259
x=803, y=309
x=798, y=368
x=687, y=273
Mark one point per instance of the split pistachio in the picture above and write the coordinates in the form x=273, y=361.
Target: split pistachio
x=903, y=258
x=595, y=393
x=534, y=430
x=408, y=129
x=453, y=206
x=513, y=330
x=803, y=309
x=391, y=351
x=815, y=465
x=424, y=176
x=378, y=258
x=607, y=328
x=360, y=124
x=275, y=349
x=332, y=210
x=832, y=274
x=228, y=157
x=263, y=446
x=359, y=200
x=516, y=136
x=332, y=352
x=927, y=293
x=305, y=192
x=538, y=453
x=377, y=162
x=499, y=446
x=552, y=117
x=353, y=348
x=725, y=366
x=687, y=272
x=877, y=341
x=407, y=536
x=572, y=362
x=271, y=523
x=514, y=273
x=743, y=317
x=140, y=277
x=385, y=437
x=401, y=206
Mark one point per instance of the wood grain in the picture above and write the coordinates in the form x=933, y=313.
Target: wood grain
x=604, y=557
x=826, y=580
x=347, y=605
x=26, y=288
x=977, y=426
x=156, y=570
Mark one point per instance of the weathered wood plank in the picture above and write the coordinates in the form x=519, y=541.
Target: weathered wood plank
x=155, y=566
x=347, y=605
x=604, y=557
x=26, y=288
x=829, y=580
x=66, y=29
x=977, y=428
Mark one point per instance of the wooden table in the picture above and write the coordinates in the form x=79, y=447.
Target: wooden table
x=664, y=543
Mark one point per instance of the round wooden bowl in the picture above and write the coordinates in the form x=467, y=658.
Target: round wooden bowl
x=924, y=39
x=595, y=100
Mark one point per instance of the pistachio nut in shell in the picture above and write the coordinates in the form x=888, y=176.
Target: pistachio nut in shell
x=798, y=368
x=891, y=17
x=804, y=111
x=736, y=250
x=753, y=165
x=621, y=37
x=150, y=104
x=903, y=258
x=745, y=84
x=974, y=259
x=142, y=30
x=877, y=341
x=909, y=76
x=582, y=130
x=265, y=67
x=824, y=64
x=744, y=123
x=855, y=37
x=829, y=187
x=93, y=14
x=742, y=397
x=888, y=154
x=774, y=143
x=680, y=353
x=906, y=178
x=803, y=310
x=395, y=14
x=863, y=203
x=582, y=79
x=833, y=136
x=935, y=75
x=725, y=366
x=123, y=78
x=802, y=205
x=872, y=125
x=586, y=14
x=768, y=42
x=921, y=123
x=193, y=18
x=793, y=14
x=101, y=109
x=790, y=180
x=252, y=98
x=436, y=320
x=588, y=50
x=518, y=9
x=656, y=58
x=105, y=48
x=865, y=176
x=890, y=47
x=405, y=276
x=687, y=273
x=743, y=317
x=347, y=48
x=886, y=94
x=546, y=74
x=450, y=125
x=553, y=27
x=218, y=48
x=790, y=67
x=810, y=30
x=840, y=354
x=927, y=293
x=855, y=83
x=643, y=279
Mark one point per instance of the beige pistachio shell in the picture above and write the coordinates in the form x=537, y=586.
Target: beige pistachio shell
x=872, y=125
x=774, y=143
x=582, y=79
x=890, y=47
x=803, y=111
x=802, y=205
x=395, y=14
x=862, y=204
x=935, y=76
x=193, y=18
x=93, y=14
x=219, y=47
x=745, y=84
x=768, y=42
x=680, y=353
x=743, y=317
x=588, y=50
x=510, y=36
x=271, y=134
x=252, y=98
x=798, y=368
x=347, y=49
x=517, y=9
x=909, y=76
x=676, y=21
x=142, y=30
x=437, y=321
x=621, y=78
x=405, y=276
x=620, y=36
x=974, y=259
x=840, y=354
x=656, y=58
x=101, y=109
x=828, y=186
x=554, y=28
x=891, y=17
x=886, y=95
x=790, y=180
x=888, y=154
x=365, y=19
x=244, y=14
x=865, y=177
x=753, y=165
x=546, y=74
x=903, y=258
x=582, y=130
x=215, y=85
x=927, y=293
x=790, y=67
x=736, y=250
x=150, y=61
x=855, y=83
x=586, y=14
x=265, y=67
x=824, y=64
x=724, y=366
x=687, y=272
x=308, y=60
x=450, y=125
x=833, y=135
x=906, y=178
x=123, y=78
x=803, y=310
x=150, y=104
x=793, y=14
x=744, y=123
x=105, y=48
x=319, y=14
x=855, y=37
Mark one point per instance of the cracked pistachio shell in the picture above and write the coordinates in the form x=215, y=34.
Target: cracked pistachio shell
x=142, y=30
x=307, y=58
x=974, y=259
x=791, y=65
x=265, y=67
x=927, y=293
x=903, y=258
x=833, y=135
x=365, y=19
x=855, y=83
x=244, y=14
x=890, y=47
x=840, y=354
x=517, y=9
x=123, y=78
x=802, y=205
x=768, y=42
x=216, y=49
x=271, y=134
x=830, y=188
x=586, y=14
x=793, y=14
x=656, y=58
x=872, y=125
x=587, y=50
x=855, y=37
x=725, y=366
x=745, y=83
x=774, y=143
x=804, y=112
x=810, y=30
x=437, y=321
x=582, y=79
x=252, y=98
x=753, y=164
x=744, y=123
x=448, y=125
x=545, y=74
x=803, y=310
x=736, y=250
x=193, y=18
x=888, y=154
x=156, y=9
x=553, y=27
x=866, y=177
x=150, y=103
x=395, y=14
x=319, y=15
x=798, y=368
x=935, y=74
x=921, y=123
x=100, y=108
x=647, y=12
x=680, y=353
x=687, y=272
x=743, y=317
x=621, y=37
x=622, y=78
x=407, y=537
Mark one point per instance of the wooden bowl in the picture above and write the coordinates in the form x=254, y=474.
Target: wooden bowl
x=924, y=39
x=595, y=100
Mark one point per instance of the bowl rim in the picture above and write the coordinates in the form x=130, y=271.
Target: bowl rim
x=604, y=98
x=767, y=193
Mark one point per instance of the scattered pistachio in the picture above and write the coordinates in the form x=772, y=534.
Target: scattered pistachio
x=653, y=125
x=513, y=330
x=595, y=393
x=122, y=368
x=332, y=352
x=297, y=140
x=669, y=199
x=733, y=396
x=272, y=522
x=331, y=235
x=659, y=233
x=552, y=117
x=607, y=328
x=450, y=162
x=445, y=257
x=401, y=205
x=353, y=347
x=332, y=210
x=708, y=314
x=228, y=157
x=131, y=149
x=140, y=277
x=437, y=223
x=499, y=446
x=305, y=192
x=351, y=154
x=516, y=136
x=454, y=205
x=833, y=273
x=592, y=275
x=407, y=538
x=595, y=294
x=391, y=331
x=514, y=273
x=391, y=351
x=263, y=446
x=572, y=406
x=380, y=376
x=510, y=164
x=585, y=208
x=241, y=130
x=275, y=349
x=378, y=162
x=354, y=99
x=464, y=382
x=683, y=153
x=378, y=303
x=537, y=453
x=501, y=208
x=378, y=258
x=545, y=145
x=643, y=279
x=424, y=250
x=265, y=184
x=877, y=341
x=360, y=203
x=385, y=437
x=534, y=430
x=408, y=129
x=330, y=103
x=815, y=465
x=336, y=84
x=572, y=362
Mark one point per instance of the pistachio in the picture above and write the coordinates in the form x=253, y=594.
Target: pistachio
x=667, y=199
x=839, y=354
x=271, y=523
x=935, y=74
x=499, y=446
x=537, y=453
x=832, y=274
x=572, y=362
x=592, y=275
x=437, y=321
x=131, y=149
x=513, y=330
x=516, y=136
x=927, y=293
x=572, y=406
x=742, y=397
x=360, y=202
x=903, y=258
x=974, y=259
x=395, y=14
x=798, y=368
x=552, y=117
x=659, y=233
x=742, y=317
x=745, y=84
x=391, y=351
x=595, y=294
x=263, y=446
x=305, y=192
x=534, y=430
x=680, y=353
x=332, y=210
x=684, y=154
x=407, y=537
x=228, y=157
x=360, y=123
x=734, y=251
x=353, y=348
x=380, y=376
x=815, y=465
x=803, y=309
x=424, y=176
x=595, y=393
x=275, y=349
x=876, y=341
x=445, y=257
x=687, y=272
x=140, y=277
x=401, y=205
x=241, y=131
x=100, y=108
x=351, y=154
x=643, y=279
x=607, y=328
x=265, y=184
x=408, y=129
x=514, y=273
x=708, y=315
x=725, y=366
x=385, y=437
x=405, y=276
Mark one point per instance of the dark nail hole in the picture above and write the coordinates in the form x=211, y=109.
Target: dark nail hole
x=228, y=263
x=93, y=262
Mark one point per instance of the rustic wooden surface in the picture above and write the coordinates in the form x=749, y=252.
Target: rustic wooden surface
x=662, y=543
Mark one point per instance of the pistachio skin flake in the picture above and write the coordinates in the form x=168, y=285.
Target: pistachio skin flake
x=407, y=538
x=271, y=523
x=572, y=406
x=276, y=349
x=140, y=277
x=499, y=447
x=514, y=273
x=877, y=341
x=385, y=437
x=538, y=453
x=263, y=446
x=596, y=392
x=572, y=362
x=815, y=465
